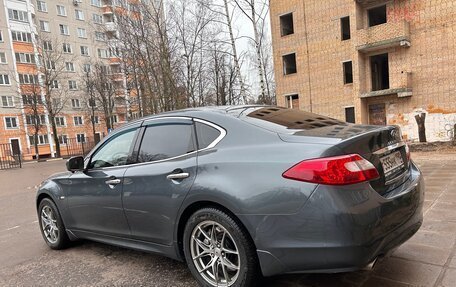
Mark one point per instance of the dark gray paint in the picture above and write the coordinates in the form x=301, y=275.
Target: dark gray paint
x=296, y=226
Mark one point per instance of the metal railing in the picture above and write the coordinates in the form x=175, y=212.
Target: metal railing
x=8, y=158
x=76, y=147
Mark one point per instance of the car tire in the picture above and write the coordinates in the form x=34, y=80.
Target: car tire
x=214, y=238
x=51, y=225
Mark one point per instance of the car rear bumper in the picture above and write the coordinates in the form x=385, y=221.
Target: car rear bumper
x=340, y=229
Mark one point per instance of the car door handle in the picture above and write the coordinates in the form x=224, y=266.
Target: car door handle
x=113, y=182
x=177, y=176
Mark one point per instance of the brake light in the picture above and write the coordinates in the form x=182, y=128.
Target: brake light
x=339, y=170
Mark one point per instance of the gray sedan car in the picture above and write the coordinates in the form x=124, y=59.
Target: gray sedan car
x=240, y=192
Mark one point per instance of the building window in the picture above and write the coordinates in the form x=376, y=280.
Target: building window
x=67, y=48
x=25, y=58
x=379, y=72
x=114, y=119
x=50, y=65
x=69, y=66
x=292, y=101
x=44, y=26
x=87, y=68
x=96, y=3
x=11, y=123
x=17, y=15
x=97, y=19
x=7, y=101
x=84, y=51
x=95, y=120
x=82, y=33
x=28, y=79
x=377, y=16
x=4, y=80
x=79, y=14
x=348, y=72
x=59, y=121
x=72, y=85
x=350, y=115
x=55, y=84
x=47, y=45
x=32, y=100
x=102, y=53
x=289, y=64
x=78, y=121
x=42, y=139
x=100, y=36
x=21, y=36
x=64, y=30
x=63, y=139
x=42, y=6
x=345, y=28
x=286, y=24
x=80, y=138
x=61, y=11
x=38, y=120
x=75, y=103
x=3, y=58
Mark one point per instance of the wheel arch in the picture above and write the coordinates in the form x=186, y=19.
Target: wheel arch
x=195, y=206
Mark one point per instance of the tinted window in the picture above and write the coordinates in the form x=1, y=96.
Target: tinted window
x=115, y=152
x=166, y=141
x=206, y=135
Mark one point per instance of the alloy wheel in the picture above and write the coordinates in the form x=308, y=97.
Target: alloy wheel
x=215, y=254
x=49, y=224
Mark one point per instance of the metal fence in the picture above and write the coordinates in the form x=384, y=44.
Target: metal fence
x=9, y=157
x=76, y=147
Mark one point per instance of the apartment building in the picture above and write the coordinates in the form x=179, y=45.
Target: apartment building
x=369, y=61
x=80, y=32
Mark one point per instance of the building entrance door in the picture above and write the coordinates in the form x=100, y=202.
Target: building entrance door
x=377, y=114
x=15, y=147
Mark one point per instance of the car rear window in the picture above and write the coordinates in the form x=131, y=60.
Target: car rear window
x=286, y=121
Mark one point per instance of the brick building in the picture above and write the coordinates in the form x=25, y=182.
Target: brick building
x=369, y=61
x=85, y=32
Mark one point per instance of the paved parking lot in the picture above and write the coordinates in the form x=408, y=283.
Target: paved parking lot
x=428, y=259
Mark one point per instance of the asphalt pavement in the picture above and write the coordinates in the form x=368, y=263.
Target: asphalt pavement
x=428, y=259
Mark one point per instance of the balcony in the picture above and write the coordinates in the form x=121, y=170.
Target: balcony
x=107, y=10
x=401, y=86
x=384, y=36
x=115, y=61
x=111, y=26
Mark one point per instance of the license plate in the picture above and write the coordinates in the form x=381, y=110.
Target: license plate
x=392, y=163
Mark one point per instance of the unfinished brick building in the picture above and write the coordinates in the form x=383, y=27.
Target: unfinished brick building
x=369, y=61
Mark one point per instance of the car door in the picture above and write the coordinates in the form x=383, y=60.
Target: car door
x=156, y=186
x=94, y=197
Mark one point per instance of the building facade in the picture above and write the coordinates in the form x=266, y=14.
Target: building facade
x=78, y=33
x=369, y=61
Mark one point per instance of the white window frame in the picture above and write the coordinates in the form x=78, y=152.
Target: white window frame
x=75, y=103
x=79, y=14
x=65, y=137
x=96, y=3
x=67, y=48
x=85, y=49
x=97, y=18
x=16, y=122
x=4, y=83
x=61, y=10
x=64, y=30
x=44, y=26
x=83, y=137
x=41, y=139
x=20, y=16
x=59, y=120
x=98, y=38
x=76, y=124
x=9, y=101
x=3, y=59
x=82, y=33
x=69, y=67
x=41, y=6
x=72, y=87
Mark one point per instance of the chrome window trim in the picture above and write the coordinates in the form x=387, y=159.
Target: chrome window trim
x=212, y=145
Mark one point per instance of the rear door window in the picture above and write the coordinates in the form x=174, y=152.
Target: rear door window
x=206, y=135
x=164, y=141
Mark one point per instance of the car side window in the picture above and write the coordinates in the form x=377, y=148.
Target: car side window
x=115, y=152
x=206, y=135
x=166, y=141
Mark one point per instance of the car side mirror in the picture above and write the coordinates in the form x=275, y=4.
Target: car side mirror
x=75, y=164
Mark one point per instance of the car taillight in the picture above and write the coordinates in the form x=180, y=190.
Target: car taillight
x=338, y=170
